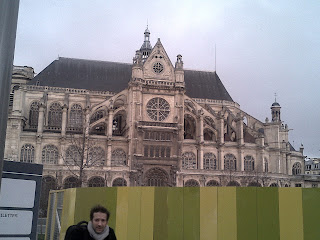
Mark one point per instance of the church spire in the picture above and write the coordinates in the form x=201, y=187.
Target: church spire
x=146, y=46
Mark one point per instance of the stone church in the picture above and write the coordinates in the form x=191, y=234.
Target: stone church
x=148, y=123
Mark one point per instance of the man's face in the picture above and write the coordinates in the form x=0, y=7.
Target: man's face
x=99, y=222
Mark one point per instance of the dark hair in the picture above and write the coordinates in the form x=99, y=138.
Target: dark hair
x=99, y=208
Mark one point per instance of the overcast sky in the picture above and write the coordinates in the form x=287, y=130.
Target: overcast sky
x=263, y=47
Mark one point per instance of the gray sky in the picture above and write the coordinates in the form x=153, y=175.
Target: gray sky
x=263, y=47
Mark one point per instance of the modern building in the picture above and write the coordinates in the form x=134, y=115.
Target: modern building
x=148, y=123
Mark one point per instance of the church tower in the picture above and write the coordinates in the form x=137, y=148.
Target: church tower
x=146, y=46
x=275, y=112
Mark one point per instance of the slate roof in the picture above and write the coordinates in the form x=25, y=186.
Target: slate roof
x=114, y=77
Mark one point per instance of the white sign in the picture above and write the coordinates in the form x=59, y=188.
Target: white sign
x=17, y=193
x=15, y=222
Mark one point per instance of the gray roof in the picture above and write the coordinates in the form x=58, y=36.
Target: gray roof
x=114, y=77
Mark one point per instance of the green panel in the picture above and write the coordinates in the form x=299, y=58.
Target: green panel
x=209, y=213
x=134, y=213
x=175, y=213
x=268, y=213
x=247, y=228
x=122, y=213
x=311, y=213
x=147, y=213
x=160, y=213
x=227, y=213
x=290, y=213
x=191, y=213
x=68, y=211
x=89, y=197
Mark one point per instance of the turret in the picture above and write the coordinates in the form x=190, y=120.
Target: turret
x=275, y=112
x=146, y=46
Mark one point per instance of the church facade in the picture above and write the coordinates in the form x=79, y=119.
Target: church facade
x=149, y=123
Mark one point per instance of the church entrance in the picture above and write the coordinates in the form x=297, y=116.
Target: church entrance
x=156, y=177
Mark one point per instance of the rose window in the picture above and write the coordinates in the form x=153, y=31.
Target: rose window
x=158, y=109
x=157, y=67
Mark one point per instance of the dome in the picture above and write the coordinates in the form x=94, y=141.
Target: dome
x=275, y=104
x=147, y=31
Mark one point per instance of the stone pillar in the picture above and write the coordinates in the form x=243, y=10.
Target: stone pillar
x=240, y=131
x=240, y=162
x=109, y=149
x=110, y=123
x=221, y=126
x=64, y=120
x=40, y=119
x=200, y=156
x=220, y=159
x=38, y=152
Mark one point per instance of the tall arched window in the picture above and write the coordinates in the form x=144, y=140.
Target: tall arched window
x=96, y=156
x=76, y=116
x=27, y=153
x=48, y=183
x=266, y=166
x=34, y=114
x=209, y=161
x=191, y=183
x=248, y=163
x=119, y=182
x=96, y=182
x=296, y=168
x=118, y=157
x=189, y=160
x=55, y=115
x=189, y=127
x=230, y=162
x=50, y=154
x=73, y=155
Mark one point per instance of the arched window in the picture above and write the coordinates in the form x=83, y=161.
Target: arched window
x=118, y=125
x=296, y=168
x=209, y=161
x=254, y=184
x=273, y=185
x=73, y=155
x=248, y=163
x=55, y=115
x=158, y=109
x=212, y=183
x=119, y=182
x=230, y=162
x=50, y=154
x=27, y=153
x=48, y=183
x=34, y=114
x=189, y=127
x=233, y=184
x=191, y=183
x=96, y=116
x=71, y=182
x=96, y=182
x=156, y=177
x=266, y=166
x=209, y=135
x=96, y=156
x=76, y=116
x=118, y=157
x=189, y=160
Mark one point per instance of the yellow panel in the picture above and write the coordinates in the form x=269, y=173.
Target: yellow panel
x=147, y=213
x=227, y=213
x=290, y=213
x=122, y=213
x=68, y=211
x=208, y=213
x=134, y=213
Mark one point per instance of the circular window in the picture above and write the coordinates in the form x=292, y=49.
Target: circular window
x=158, y=67
x=158, y=109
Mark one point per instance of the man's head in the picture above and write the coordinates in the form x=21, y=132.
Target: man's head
x=99, y=217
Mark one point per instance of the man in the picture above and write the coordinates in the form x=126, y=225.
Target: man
x=97, y=228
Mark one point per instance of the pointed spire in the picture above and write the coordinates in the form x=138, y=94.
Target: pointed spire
x=146, y=46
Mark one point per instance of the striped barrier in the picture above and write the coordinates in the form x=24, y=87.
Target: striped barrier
x=192, y=213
